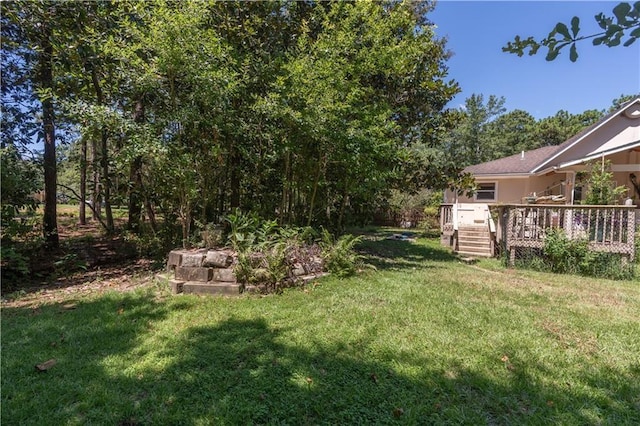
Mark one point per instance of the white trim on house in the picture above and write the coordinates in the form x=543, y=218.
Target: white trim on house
x=590, y=157
x=581, y=138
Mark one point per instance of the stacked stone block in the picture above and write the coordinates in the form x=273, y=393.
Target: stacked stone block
x=211, y=271
x=203, y=271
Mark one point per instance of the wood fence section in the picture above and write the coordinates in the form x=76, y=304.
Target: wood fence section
x=608, y=229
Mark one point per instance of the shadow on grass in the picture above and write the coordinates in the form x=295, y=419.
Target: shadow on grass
x=386, y=253
x=242, y=371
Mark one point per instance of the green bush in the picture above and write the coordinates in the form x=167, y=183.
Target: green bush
x=15, y=266
x=564, y=255
x=572, y=256
x=339, y=255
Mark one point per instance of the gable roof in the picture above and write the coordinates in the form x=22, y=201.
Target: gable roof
x=534, y=161
x=574, y=140
x=514, y=164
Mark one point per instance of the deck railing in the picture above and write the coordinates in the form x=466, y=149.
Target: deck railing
x=446, y=218
x=605, y=228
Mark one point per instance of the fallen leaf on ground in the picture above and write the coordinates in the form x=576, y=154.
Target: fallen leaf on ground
x=46, y=365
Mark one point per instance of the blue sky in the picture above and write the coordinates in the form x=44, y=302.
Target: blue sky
x=477, y=30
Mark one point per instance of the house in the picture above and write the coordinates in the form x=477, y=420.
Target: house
x=539, y=189
x=551, y=171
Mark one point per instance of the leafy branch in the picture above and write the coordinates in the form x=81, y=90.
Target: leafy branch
x=625, y=22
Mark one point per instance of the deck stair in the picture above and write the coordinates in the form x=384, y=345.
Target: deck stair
x=474, y=241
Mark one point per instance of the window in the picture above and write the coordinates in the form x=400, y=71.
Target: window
x=486, y=192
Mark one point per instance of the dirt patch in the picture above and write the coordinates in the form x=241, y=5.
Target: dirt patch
x=91, y=282
x=87, y=262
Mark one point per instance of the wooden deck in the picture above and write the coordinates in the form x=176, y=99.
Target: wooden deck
x=609, y=229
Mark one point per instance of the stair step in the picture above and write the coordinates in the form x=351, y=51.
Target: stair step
x=472, y=248
x=473, y=229
x=475, y=254
x=463, y=246
x=475, y=233
x=212, y=287
x=480, y=244
x=473, y=238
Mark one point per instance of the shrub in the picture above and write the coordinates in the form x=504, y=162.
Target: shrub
x=15, y=266
x=339, y=255
x=561, y=254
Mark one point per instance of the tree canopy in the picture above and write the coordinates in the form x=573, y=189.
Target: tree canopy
x=307, y=112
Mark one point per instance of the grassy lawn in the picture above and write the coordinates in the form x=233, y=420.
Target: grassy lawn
x=425, y=339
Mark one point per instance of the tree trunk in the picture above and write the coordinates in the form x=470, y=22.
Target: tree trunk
x=285, y=188
x=106, y=181
x=104, y=159
x=345, y=201
x=313, y=194
x=235, y=180
x=150, y=213
x=83, y=182
x=135, y=181
x=135, y=204
x=95, y=196
x=50, y=221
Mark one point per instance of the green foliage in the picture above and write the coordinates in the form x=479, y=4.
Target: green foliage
x=247, y=230
x=20, y=181
x=600, y=185
x=69, y=263
x=15, y=266
x=267, y=252
x=154, y=245
x=566, y=255
x=624, y=22
x=339, y=255
x=573, y=256
x=469, y=142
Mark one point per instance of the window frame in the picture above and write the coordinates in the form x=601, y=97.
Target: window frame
x=494, y=190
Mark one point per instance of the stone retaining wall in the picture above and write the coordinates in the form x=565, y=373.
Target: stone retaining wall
x=212, y=271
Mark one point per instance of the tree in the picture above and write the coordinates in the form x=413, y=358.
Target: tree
x=511, y=133
x=20, y=181
x=469, y=142
x=28, y=31
x=624, y=22
x=621, y=100
x=601, y=189
x=556, y=129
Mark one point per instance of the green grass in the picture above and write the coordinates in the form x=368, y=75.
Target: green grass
x=424, y=339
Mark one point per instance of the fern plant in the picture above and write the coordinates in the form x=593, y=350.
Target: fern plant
x=339, y=256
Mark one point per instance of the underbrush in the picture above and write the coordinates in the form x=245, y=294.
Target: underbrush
x=563, y=255
x=272, y=255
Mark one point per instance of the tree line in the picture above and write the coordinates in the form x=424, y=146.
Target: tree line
x=310, y=113
x=302, y=111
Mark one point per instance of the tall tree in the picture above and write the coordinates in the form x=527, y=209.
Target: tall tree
x=469, y=141
x=28, y=31
x=511, y=133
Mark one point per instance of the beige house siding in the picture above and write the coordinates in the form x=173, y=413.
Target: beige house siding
x=617, y=134
x=512, y=190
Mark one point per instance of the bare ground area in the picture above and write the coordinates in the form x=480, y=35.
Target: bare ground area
x=87, y=262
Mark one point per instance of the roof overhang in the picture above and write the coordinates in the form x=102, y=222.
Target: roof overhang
x=503, y=176
x=590, y=157
x=595, y=128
